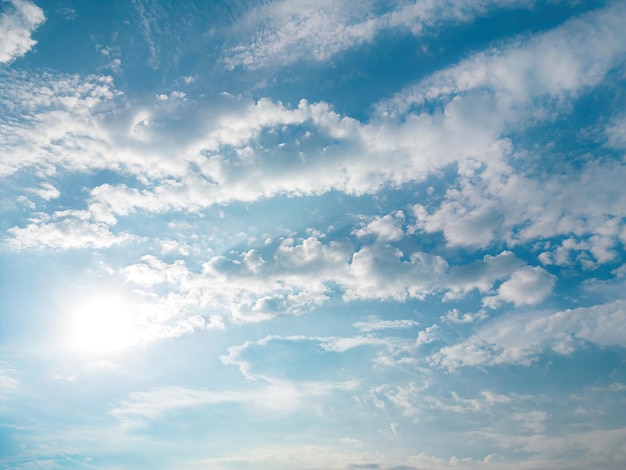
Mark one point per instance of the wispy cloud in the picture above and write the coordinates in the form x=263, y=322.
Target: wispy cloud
x=283, y=32
x=376, y=324
x=519, y=337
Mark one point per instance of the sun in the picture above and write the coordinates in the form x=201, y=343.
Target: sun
x=104, y=324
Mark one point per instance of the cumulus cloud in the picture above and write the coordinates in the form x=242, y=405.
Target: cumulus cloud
x=299, y=275
x=386, y=228
x=428, y=335
x=584, y=204
x=526, y=286
x=379, y=272
x=294, y=279
x=17, y=24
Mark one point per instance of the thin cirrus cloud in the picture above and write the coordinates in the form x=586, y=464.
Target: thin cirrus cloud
x=280, y=33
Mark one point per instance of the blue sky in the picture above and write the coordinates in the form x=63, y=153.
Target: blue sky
x=312, y=234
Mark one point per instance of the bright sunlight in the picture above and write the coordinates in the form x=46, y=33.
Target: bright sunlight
x=104, y=324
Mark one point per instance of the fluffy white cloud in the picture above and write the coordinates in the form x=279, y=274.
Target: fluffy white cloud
x=526, y=286
x=386, y=228
x=293, y=280
x=428, y=335
x=16, y=27
x=299, y=276
x=379, y=272
x=587, y=204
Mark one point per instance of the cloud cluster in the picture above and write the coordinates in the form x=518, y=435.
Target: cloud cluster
x=298, y=275
x=251, y=150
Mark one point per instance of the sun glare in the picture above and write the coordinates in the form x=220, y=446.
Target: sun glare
x=105, y=324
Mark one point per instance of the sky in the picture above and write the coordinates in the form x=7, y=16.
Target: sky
x=313, y=234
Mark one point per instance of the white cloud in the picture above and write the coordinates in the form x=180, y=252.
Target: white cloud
x=480, y=274
x=428, y=335
x=148, y=13
x=379, y=272
x=298, y=276
x=283, y=457
x=293, y=280
x=375, y=324
x=65, y=233
x=16, y=28
x=559, y=62
x=423, y=460
x=340, y=345
x=455, y=316
x=54, y=121
x=46, y=192
x=386, y=228
x=616, y=132
x=284, y=31
x=526, y=286
x=518, y=338
x=225, y=156
x=491, y=94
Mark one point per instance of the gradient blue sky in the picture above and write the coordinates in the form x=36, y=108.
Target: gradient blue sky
x=312, y=234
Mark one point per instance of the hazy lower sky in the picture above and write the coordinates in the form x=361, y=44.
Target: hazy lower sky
x=312, y=234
